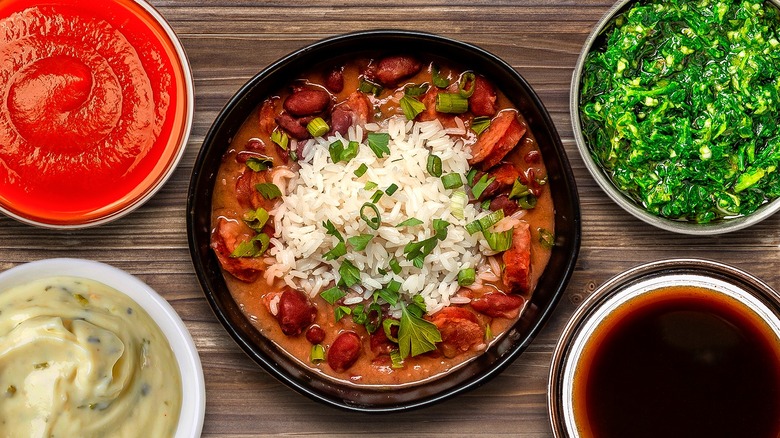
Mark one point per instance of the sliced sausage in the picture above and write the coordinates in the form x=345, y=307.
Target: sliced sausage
x=344, y=351
x=460, y=330
x=483, y=101
x=225, y=237
x=504, y=176
x=267, y=115
x=498, y=139
x=517, y=260
x=498, y=305
x=296, y=312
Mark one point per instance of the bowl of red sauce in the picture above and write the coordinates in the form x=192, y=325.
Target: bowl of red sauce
x=95, y=112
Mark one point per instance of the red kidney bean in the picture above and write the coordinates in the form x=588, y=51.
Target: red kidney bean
x=340, y=120
x=502, y=202
x=295, y=312
x=393, y=69
x=532, y=157
x=498, y=305
x=344, y=351
x=315, y=334
x=483, y=101
x=293, y=126
x=307, y=102
x=334, y=79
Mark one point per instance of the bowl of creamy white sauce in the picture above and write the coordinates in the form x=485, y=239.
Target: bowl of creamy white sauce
x=87, y=349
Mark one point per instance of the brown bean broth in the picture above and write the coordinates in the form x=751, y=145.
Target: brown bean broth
x=249, y=296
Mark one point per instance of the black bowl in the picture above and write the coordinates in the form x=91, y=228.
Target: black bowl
x=549, y=290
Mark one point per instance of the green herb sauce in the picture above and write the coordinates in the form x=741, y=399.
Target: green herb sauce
x=680, y=106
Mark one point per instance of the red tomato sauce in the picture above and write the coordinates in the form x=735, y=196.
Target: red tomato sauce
x=93, y=107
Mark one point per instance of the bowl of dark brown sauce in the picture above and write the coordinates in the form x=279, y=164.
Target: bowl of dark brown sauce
x=674, y=348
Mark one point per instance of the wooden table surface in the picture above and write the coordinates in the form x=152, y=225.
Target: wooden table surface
x=227, y=42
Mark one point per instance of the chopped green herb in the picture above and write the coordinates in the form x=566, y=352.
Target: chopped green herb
x=411, y=107
x=332, y=295
x=411, y=222
x=268, y=190
x=259, y=163
x=254, y=247
x=519, y=190
x=378, y=142
x=256, y=219
x=360, y=242
x=331, y=229
x=280, y=138
x=350, y=275
x=527, y=202
x=341, y=311
x=369, y=87
x=546, y=238
x=437, y=78
x=395, y=266
x=415, y=335
x=396, y=362
x=339, y=250
x=415, y=90
x=480, y=124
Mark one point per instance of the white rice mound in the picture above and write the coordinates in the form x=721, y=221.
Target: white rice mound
x=322, y=190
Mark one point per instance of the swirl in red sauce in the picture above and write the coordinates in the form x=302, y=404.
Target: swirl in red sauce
x=92, y=95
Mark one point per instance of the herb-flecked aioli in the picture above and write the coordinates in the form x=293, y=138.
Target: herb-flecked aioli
x=79, y=358
x=679, y=106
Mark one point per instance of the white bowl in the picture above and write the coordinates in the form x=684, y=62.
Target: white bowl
x=193, y=406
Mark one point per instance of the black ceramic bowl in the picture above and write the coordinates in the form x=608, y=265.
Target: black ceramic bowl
x=549, y=290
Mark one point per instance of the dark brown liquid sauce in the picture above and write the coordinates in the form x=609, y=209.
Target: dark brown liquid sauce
x=687, y=363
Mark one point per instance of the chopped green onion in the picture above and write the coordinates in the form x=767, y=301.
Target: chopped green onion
x=437, y=78
x=332, y=295
x=377, y=196
x=369, y=87
x=360, y=242
x=378, y=142
x=395, y=266
x=339, y=250
x=481, y=185
x=440, y=226
x=254, y=247
x=387, y=326
x=280, y=138
x=485, y=222
x=415, y=90
x=359, y=315
x=488, y=332
x=259, y=163
x=451, y=103
x=350, y=151
x=335, y=149
x=350, y=275
x=546, y=238
x=361, y=170
x=396, y=361
x=411, y=107
x=317, y=127
x=373, y=221
x=451, y=181
x=381, y=271
x=389, y=296
x=370, y=185
x=293, y=155
x=485, y=204
x=467, y=83
x=467, y=276
x=268, y=190
x=317, y=354
x=470, y=177
x=458, y=203
x=391, y=189
x=501, y=241
x=256, y=219
x=411, y=222
x=393, y=286
x=434, y=165
x=480, y=124
x=342, y=311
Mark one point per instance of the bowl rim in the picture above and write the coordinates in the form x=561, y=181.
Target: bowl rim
x=681, y=227
x=618, y=291
x=165, y=175
x=267, y=363
x=193, y=408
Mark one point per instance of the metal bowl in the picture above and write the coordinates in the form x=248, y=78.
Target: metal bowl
x=270, y=356
x=604, y=181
